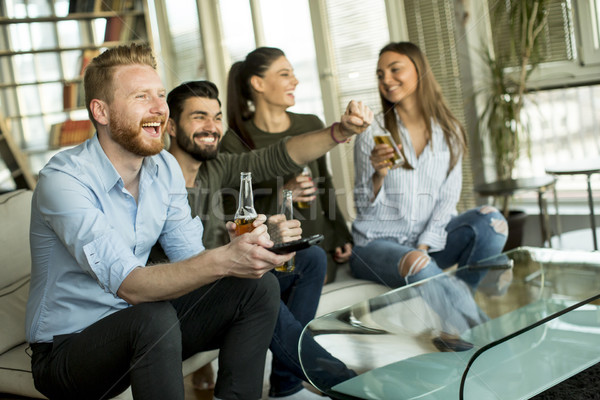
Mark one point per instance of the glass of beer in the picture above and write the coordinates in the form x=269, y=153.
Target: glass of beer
x=385, y=137
x=305, y=172
x=287, y=209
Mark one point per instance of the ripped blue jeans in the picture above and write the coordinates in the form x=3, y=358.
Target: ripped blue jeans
x=472, y=236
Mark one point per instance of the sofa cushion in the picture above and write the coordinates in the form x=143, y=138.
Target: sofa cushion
x=338, y=295
x=15, y=260
x=15, y=373
x=12, y=314
x=346, y=291
x=15, y=266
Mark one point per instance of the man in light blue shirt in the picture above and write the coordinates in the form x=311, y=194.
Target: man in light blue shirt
x=98, y=319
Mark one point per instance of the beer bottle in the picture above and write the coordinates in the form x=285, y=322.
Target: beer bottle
x=306, y=172
x=245, y=214
x=287, y=209
x=385, y=137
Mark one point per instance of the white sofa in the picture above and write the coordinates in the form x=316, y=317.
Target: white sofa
x=15, y=267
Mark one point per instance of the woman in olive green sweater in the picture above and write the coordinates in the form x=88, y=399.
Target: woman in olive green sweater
x=266, y=80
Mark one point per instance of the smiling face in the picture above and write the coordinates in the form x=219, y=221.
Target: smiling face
x=138, y=111
x=397, y=76
x=278, y=84
x=200, y=128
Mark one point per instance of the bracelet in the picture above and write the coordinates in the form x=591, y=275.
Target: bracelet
x=333, y=137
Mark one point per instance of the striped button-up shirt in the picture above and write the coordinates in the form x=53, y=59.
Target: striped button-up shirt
x=413, y=206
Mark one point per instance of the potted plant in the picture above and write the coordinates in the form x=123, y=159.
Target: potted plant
x=510, y=64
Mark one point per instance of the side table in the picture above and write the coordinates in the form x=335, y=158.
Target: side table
x=540, y=184
x=583, y=167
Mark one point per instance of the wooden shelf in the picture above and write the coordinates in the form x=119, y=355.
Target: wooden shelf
x=41, y=114
x=9, y=53
x=70, y=17
x=63, y=81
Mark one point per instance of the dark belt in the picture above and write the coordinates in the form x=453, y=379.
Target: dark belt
x=41, y=347
x=47, y=347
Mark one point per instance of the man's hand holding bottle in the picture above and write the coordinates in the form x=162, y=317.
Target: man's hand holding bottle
x=248, y=254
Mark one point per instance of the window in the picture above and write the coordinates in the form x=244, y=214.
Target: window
x=287, y=25
x=563, y=126
x=186, y=60
x=356, y=51
x=588, y=12
x=238, y=32
x=282, y=24
x=556, y=39
x=562, y=113
x=570, y=44
x=432, y=25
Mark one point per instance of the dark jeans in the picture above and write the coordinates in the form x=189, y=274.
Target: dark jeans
x=144, y=345
x=300, y=293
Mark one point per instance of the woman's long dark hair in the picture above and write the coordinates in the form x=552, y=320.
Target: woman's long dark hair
x=431, y=104
x=239, y=90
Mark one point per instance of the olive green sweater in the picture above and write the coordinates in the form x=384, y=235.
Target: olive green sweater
x=324, y=216
x=221, y=177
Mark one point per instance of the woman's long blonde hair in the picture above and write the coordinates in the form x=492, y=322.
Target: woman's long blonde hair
x=431, y=104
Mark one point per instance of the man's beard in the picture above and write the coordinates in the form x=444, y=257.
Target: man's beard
x=127, y=134
x=198, y=153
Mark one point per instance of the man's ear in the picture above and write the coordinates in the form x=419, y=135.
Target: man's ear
x=171, y=127
x=257, y=83
x=99, y=111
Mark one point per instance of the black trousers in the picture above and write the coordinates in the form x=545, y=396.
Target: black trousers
x=144, y=345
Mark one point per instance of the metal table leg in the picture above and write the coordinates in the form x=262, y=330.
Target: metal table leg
x=557, y=216
x=592, y=216
x=544, y=220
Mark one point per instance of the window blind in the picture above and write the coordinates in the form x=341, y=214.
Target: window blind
x=188, y=62
x=432, y=26
x=358, y=31
x=238, y=32
x=557, y=40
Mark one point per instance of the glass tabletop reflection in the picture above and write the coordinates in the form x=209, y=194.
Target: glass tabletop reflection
x=436, y=339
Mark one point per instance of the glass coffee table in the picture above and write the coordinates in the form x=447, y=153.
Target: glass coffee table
x=435, y=339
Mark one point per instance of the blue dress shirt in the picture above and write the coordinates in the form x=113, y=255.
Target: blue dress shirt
x=88, y=233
